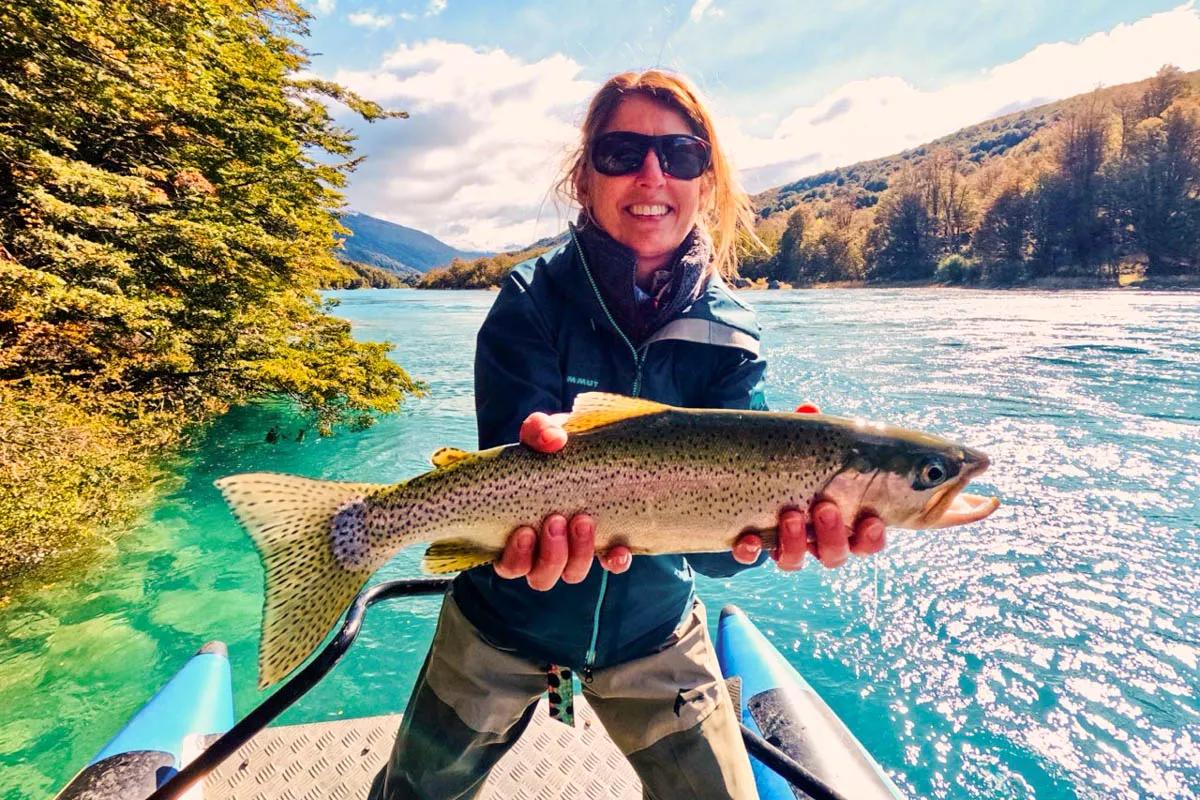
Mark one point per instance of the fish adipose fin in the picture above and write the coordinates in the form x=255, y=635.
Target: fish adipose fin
x=594, y=409
x=455, y=555
x=308, y=584
x=445, y=456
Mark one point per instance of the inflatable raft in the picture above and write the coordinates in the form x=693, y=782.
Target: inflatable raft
x=255, y=762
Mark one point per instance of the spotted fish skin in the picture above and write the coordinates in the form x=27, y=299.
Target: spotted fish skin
x=657, y=479
x=679, y=482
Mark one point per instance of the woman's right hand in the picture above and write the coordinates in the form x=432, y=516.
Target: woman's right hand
x=563, y=549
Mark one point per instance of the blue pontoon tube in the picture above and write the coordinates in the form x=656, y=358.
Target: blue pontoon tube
x=783, y=708
x=168, y=732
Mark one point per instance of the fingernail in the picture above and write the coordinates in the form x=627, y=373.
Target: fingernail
x=829, y=517
x=874, y=533
x=525, y=541
x=793, y=525
x=584, y=529
x=556, y=527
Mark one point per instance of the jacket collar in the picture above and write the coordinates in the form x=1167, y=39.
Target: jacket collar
x=598, y=272
x=715, y=315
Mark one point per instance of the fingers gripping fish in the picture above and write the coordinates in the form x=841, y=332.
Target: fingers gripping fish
x=657, y=479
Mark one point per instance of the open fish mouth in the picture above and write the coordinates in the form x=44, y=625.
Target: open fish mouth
x=943, y=512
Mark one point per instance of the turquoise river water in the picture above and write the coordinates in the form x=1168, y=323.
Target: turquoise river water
x=1051, y=651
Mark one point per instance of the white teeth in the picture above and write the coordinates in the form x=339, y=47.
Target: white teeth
x=648, y=211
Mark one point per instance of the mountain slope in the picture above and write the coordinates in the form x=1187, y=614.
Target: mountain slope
x=395, y=248
x=864, y=182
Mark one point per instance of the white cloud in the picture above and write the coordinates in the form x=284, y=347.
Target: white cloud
x=435, y=7
x=369, y=19
x=475, y=162
x=702, y=7
x=883, y=115
x=323, y=6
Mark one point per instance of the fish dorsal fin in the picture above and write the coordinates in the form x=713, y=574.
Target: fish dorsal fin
x=445, y=456
x=594, y=409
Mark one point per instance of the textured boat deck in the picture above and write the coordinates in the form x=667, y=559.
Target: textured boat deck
x=338, y=760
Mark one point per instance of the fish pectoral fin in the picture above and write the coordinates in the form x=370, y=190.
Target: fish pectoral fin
x=455, y=555
x=595, y=409
x=445, y=456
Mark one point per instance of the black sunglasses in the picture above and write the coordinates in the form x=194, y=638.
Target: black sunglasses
x=623, y=152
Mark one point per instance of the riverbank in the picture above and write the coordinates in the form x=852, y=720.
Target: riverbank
x=71, y=475
x=1050, y=283
x=1053, y=283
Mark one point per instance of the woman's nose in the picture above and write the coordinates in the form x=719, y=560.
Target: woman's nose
x=651, y=173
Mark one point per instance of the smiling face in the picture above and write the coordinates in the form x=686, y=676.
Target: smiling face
x=648, y=211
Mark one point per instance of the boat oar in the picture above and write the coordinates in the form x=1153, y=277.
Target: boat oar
x=788, y=768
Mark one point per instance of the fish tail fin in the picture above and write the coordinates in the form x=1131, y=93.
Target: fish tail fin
x=311, y=535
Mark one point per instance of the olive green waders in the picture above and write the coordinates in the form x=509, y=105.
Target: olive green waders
x=668, y=712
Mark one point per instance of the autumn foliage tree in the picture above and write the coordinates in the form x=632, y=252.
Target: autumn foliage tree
x=903, y=243
x=1154, y=191
x=1068, y=231
x=1003, y=236
x=946, y=196
x=168, y=204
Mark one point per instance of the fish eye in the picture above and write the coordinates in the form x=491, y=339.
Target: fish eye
x=931, y=471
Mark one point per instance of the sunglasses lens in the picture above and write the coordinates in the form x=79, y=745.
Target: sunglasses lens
x=622, y=152
x=686, y=157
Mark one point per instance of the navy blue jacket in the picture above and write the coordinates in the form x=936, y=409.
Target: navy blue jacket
x=548, y=338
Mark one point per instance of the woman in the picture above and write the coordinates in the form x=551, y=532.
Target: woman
x=634, y=304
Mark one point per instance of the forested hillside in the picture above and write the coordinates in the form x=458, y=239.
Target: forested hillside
x=1081, y=188
x=168, y=197
x=480, y=273
x=365, y=276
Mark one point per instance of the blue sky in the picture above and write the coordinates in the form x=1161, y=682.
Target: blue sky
x=496, y=89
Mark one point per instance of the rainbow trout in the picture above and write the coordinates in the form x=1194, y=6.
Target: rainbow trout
x=658, y=479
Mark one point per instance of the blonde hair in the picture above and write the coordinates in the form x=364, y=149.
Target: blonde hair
x=727, y=214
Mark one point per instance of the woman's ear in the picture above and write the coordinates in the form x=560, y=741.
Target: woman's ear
x=581, y=188
x=707, y=189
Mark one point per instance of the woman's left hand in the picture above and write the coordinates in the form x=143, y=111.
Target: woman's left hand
x=832, y=542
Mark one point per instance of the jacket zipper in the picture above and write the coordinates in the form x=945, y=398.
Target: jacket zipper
x=639, y=358
x=589, y=660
